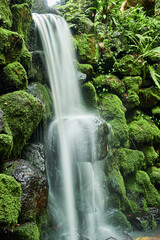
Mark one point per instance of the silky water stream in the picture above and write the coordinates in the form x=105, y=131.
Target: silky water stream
x=76, y=198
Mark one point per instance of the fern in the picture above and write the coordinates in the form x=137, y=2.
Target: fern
x=155, y=76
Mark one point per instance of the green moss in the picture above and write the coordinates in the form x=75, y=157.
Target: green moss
x=154, y=174
x=5, y=14
x=150, y=155
x=113, y=111
x=10, y=200
x=149, y=97
x=156, y=110
x=85, y=68
x=10, y=46
x=129, y=160
x=28, y=231
x=6, y=145
x=14, y=78
x=43, y=93
x=26, y=58
x=131, y=99
x=87, y=50
x=111, y=82
x=89, y=96
x=132, y=83
x=22, y=18
x=143, y=132
x=128, y=66
x=141, y=193
x=23, y=113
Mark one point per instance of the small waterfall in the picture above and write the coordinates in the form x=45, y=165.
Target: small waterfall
x=76, y=200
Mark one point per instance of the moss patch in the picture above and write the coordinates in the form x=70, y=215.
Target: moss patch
x=28, y=231
x=113, y=111
x=154, y=174
x=89, y=96
x=149, y=97
x=10, y=46
x=150, y=155
x=22, y=18
x=10, y=200
x=23, y=113
x=14, y=78
x=142, y=132
x=5, y=14
x=128, y=66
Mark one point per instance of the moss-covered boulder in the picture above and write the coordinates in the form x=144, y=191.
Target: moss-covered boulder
x=22, y=18
x=142, y=132
x=14, y=78
x=43, y=93
x=113, y=111
x=6, y=139
x=10, y=46
x=149, y=97
x=10, y=200
x=26, y=59
x=129, y=160
x=86, y=49
x=5, y=14
x=89, y=96
x=110, y=82
x=23, y=113
x=128, y=66
x=27, y=231
x=154, y=174
x=156, y=110
x=141, y=192
x=150, y=155
x=85, y=68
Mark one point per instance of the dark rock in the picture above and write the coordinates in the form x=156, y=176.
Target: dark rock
x=34, y=188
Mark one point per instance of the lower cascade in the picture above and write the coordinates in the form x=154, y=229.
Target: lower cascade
x=74, y=144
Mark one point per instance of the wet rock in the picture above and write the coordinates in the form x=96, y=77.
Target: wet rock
x=34, y=188
x=90, y=97
x=82, y=77
x=34, y=154
x=143, y=221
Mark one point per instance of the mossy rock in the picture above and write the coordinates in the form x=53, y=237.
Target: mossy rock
x=154, y=174
x=141, y=192
x=132, y=83
x=29, y=2
x=87, y=50
x=113, y=111
x=14, y=78
x=149, y=97
x=43, y=93
x=156, y=110
x=100, y=30
x=10, y=46
x=5, y=14
x=27, y=231
x=128, y=66
x=143, y=132
x=110, y=82
x=22, y=18
x=6, y=139
x=10, y=200
x=85, y=68
x=25, y=58
x=129, y=160
x=90, y=97
x=117, y=219
x=150, y=155
x=23, y=113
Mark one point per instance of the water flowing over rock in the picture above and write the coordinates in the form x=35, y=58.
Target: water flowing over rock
x=76, y=200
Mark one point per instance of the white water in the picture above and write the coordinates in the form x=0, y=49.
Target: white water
x=76, y=199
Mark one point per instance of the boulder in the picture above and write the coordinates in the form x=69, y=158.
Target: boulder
x=128, y=66
x=23, y=113
x=8, y=53
x=5, y=14
x=14, y=78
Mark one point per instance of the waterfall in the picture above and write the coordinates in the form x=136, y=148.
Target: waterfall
x=76, y=200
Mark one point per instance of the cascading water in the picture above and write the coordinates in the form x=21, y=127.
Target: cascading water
x=76, y=200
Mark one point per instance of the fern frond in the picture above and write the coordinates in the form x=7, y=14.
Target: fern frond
x=154, y=76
